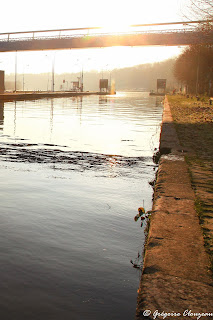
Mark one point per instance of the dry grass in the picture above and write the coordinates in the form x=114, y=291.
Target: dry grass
x=194, y=124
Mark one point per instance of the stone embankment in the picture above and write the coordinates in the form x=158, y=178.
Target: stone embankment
x=176, y=276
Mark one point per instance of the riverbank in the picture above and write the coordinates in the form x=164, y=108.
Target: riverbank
x=31, y=95
x=176, y=275
x=194, y=124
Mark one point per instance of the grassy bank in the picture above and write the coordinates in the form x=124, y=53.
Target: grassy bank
x=194, y=124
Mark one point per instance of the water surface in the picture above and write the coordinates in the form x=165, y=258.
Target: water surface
x=73, y=173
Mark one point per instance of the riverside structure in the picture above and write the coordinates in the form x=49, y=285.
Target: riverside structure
x=176, y=276
x=97, y=37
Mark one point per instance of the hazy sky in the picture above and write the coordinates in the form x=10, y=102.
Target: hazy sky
x=23, y=15
x=19, y=15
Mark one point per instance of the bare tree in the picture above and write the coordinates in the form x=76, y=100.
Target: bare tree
x=200, y=9
x=194, y=68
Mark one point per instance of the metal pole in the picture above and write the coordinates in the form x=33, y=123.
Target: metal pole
x=82, y=79
x=15, y=69
x=53, y=74
x=23, y=81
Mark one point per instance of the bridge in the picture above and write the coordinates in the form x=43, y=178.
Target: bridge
x=95, y=37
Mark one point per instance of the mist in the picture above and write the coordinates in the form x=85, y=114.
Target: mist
x=141, y=77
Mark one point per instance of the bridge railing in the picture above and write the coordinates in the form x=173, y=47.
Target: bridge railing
x=14, y=37
x=154, y=28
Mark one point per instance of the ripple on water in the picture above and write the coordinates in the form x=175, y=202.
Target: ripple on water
x=71, y=160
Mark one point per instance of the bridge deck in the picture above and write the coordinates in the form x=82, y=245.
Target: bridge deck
x=94, y=38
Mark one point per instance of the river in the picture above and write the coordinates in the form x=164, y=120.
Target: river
x=73, y=173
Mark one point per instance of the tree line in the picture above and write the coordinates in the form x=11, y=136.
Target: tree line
x=194, y=67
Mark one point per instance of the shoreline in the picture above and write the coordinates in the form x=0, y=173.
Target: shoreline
x=31, y=95
x=176, y=275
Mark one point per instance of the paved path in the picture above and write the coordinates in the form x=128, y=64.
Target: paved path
x=176, y=275
x=194, y=124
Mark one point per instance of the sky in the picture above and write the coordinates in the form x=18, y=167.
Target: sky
x=26, y=15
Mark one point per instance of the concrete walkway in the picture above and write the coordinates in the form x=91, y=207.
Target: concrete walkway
x=176, y=275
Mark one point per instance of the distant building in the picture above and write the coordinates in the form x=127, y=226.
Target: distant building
x=161, y=85
x=75, y=86
x=103, y=85
x=1, y=81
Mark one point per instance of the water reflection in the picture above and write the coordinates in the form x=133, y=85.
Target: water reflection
x=1, y=115
x=158, y=101
x=51, y=118
x=79, y=107
x=102, y=100
x=73, y=173
x=120, y=126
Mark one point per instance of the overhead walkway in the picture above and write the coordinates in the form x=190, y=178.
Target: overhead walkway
x=163, y=34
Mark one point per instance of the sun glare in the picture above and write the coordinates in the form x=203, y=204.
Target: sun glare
x=117, y=18
x=116, y=28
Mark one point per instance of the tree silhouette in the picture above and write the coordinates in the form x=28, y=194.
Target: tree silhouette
x=199, y=9
x=194, y=69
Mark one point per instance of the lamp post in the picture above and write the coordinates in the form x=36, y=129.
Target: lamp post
x=23, y=83
x=15, y=70
x=47, y=57
x=53, y=73
x=82, y=80
x=82, y=75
